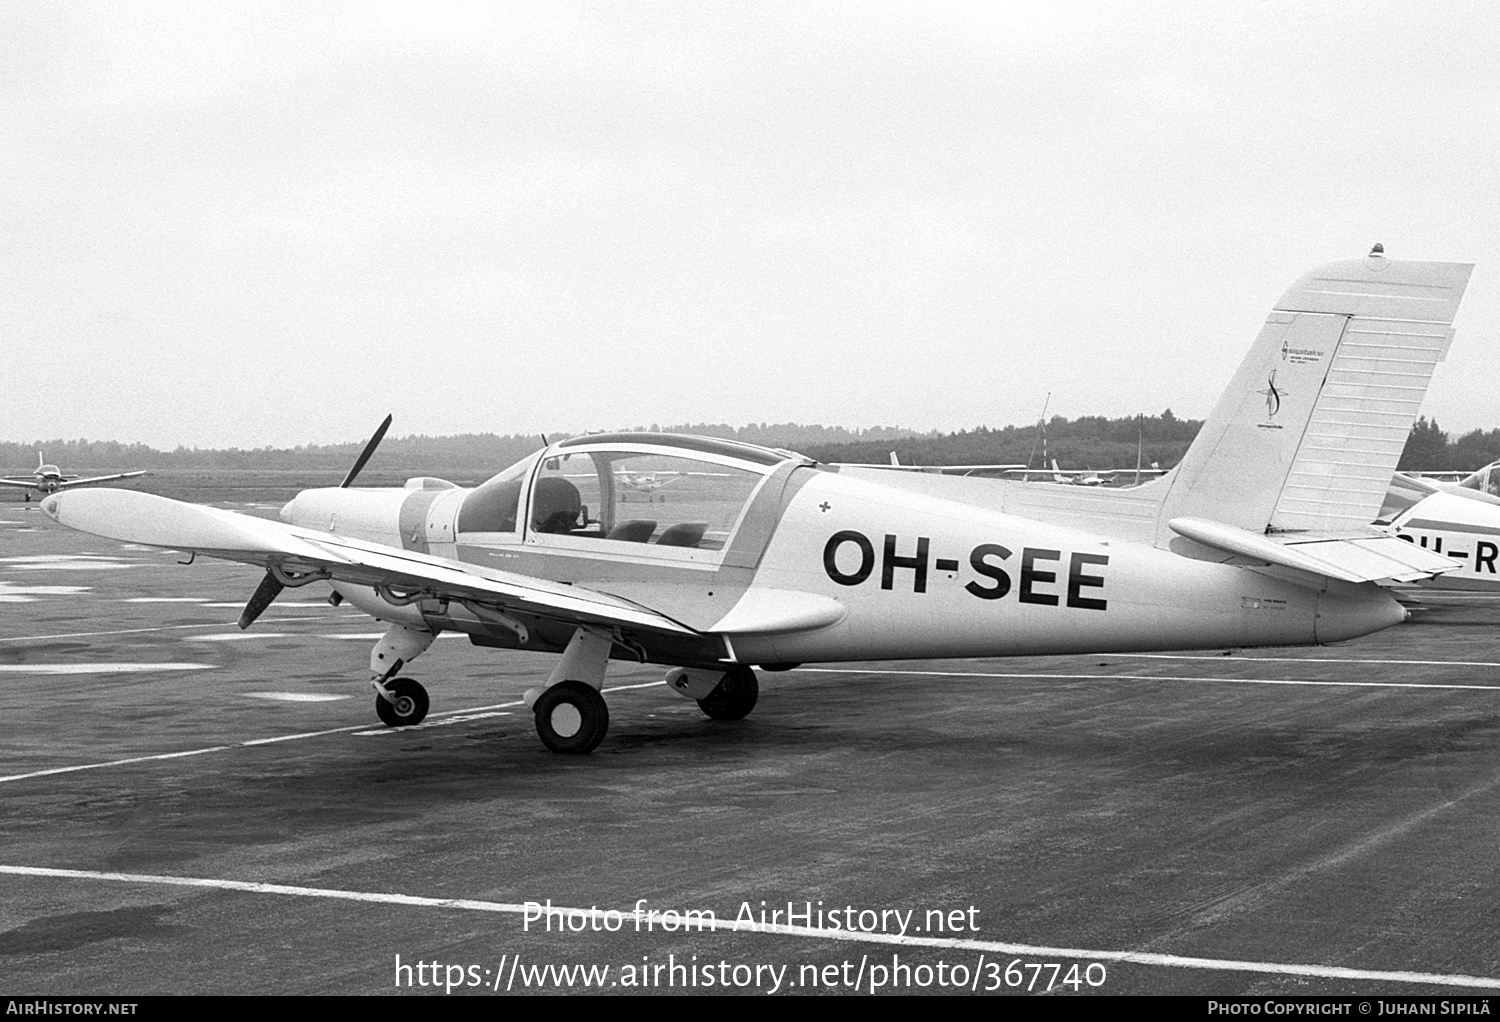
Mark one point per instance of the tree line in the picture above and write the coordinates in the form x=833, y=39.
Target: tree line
x=411, y=455
x=1088, y=442
x=1430, y=449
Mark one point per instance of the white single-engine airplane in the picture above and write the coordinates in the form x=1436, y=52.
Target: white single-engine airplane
x=49, y=479
x=1460, y=520
x=1260, y=537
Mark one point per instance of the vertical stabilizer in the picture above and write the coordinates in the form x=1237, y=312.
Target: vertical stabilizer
x=1310, y=430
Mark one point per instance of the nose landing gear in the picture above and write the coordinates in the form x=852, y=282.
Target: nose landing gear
x=399, y=702
x=407, y=704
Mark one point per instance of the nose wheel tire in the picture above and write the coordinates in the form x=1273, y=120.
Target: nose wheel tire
x=734, y=697
x=571, y=717
x=410, y=705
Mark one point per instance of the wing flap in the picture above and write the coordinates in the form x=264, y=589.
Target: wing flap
x=134, y=517
x=1363, y=557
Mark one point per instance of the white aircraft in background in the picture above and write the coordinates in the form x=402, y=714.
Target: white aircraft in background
x=646, y=482
x=1261, y=536
x=947, y=470
x=1460, y=520
x=49, y=479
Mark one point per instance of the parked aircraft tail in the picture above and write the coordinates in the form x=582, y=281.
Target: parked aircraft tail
x=1308, y=434
x=1292, y=465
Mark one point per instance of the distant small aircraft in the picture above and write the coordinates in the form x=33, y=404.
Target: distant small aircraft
x=646, y=482
x=1261, y=536
x=49, y=479
x=946, y=470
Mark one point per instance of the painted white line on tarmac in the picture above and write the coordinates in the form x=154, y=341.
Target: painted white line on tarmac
x=295, y=697
x=597, y=917
x=474, y=710
x=164, y=599
x=280, y=605
x=116, y=762
x=1065, y=675
x=16, y=589
x=1300, y=659
x=459, y=719
x=155, y=628
x=380, y=635
x=101, y=668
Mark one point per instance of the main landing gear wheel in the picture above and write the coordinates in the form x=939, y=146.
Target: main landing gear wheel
x=571, y=717
x=410, y=705
x=734, y=697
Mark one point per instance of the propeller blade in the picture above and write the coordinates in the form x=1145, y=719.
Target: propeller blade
x=269, y=588
x=264, y=593
x=364, y=455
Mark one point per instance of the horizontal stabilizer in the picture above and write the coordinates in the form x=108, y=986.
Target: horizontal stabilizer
x=1365, y=557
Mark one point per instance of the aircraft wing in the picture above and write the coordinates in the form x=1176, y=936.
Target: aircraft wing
x=98, y=479
x=1371, y=556
x=26, y=483
x=134, y=517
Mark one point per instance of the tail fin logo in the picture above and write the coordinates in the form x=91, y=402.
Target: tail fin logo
x=1273, y=396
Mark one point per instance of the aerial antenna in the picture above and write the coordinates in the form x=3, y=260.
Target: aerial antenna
x=1040, y=434
x=1140, y=442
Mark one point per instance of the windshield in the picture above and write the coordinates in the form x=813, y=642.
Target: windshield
x=1486, y=480
x=494, y=506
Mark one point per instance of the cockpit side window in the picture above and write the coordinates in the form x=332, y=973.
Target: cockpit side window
x=669, y=501
x=670, y=505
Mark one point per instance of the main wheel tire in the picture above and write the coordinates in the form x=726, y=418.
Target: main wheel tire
x=410, y=705
x=734, y=697
x=571, y=718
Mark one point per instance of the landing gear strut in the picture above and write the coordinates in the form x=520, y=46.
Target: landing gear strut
x=571, y=716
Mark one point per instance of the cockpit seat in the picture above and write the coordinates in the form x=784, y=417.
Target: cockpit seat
x=683, y=534
x=555, y=506
x=637, y=530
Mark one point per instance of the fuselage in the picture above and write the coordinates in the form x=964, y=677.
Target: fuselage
x=777, y=560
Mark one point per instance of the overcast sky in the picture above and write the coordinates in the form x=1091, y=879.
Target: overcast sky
x=255, y=224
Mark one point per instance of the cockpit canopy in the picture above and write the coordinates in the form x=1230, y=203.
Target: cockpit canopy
x=1486, y=480
x=667, y=491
